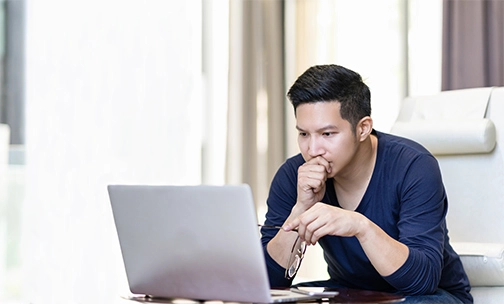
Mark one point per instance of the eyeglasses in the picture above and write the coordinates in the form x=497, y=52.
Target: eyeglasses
x=274, y=227
x=297, y=254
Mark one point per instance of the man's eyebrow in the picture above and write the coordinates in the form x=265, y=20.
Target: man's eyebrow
x=325, y=128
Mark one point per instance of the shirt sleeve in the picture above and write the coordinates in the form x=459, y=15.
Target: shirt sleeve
x=422, y=226
x=282, y=197
x=276, y=273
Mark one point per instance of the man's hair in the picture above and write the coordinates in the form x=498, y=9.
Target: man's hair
x=325, y=83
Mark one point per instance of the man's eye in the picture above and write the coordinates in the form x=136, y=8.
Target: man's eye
x=327, y=133
x=303, y=134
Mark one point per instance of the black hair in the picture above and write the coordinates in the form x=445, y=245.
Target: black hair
x=325, y=83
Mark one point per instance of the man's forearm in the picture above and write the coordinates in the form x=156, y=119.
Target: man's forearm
x=279, y=247
x=385, y=253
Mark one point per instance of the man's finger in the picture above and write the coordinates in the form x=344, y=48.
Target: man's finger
x=291, y=225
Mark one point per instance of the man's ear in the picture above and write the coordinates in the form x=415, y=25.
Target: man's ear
x=364, y=128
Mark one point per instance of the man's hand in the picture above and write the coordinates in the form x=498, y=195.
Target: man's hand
x=312, y=177
x=323, y=219
x=385, y=253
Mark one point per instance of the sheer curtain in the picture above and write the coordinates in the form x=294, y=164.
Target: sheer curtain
x=256, y=95
x=113, y=95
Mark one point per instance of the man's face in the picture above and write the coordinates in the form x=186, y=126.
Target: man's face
x=322, y=132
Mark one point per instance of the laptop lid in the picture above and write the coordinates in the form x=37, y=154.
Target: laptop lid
x=194, y=242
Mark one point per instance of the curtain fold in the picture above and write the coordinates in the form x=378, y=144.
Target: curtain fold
x=256, y=132
x=12, y=50
x=473, y=44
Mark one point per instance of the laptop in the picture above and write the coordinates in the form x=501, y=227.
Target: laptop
x=193, y=242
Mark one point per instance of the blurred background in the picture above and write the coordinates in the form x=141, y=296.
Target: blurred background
x=102, y=92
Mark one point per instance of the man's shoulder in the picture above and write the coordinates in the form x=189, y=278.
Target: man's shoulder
x=290, y=166
x=395, y=144
x=295, y=160
x=404, y=156
x=286, y=176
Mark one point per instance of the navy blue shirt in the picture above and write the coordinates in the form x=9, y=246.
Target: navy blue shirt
x=406, y=198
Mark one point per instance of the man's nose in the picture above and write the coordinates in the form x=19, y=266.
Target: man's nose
x=315, y=148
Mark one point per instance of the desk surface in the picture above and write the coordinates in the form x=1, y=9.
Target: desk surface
x=346, y=295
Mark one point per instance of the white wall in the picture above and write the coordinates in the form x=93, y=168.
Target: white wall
x=112, y=96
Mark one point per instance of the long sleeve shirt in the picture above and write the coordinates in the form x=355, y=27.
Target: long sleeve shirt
x=406, y=198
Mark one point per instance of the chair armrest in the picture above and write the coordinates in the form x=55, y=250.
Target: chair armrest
x=483, y=262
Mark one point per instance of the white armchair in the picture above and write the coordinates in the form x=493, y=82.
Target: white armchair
x=464, y=129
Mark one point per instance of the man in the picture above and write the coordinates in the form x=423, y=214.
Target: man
x=374, y=202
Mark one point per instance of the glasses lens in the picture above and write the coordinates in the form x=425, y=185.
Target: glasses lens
x=297, y=254
x=293, y=268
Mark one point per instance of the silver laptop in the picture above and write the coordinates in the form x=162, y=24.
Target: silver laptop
x=193, y=242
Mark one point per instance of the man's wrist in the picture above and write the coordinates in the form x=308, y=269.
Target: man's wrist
x=299, y=208
x=363, y=229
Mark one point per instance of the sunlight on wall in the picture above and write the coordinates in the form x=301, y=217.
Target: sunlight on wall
x=215, y=92
x=425, y=47
x=113, y=96
x=370, y=42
